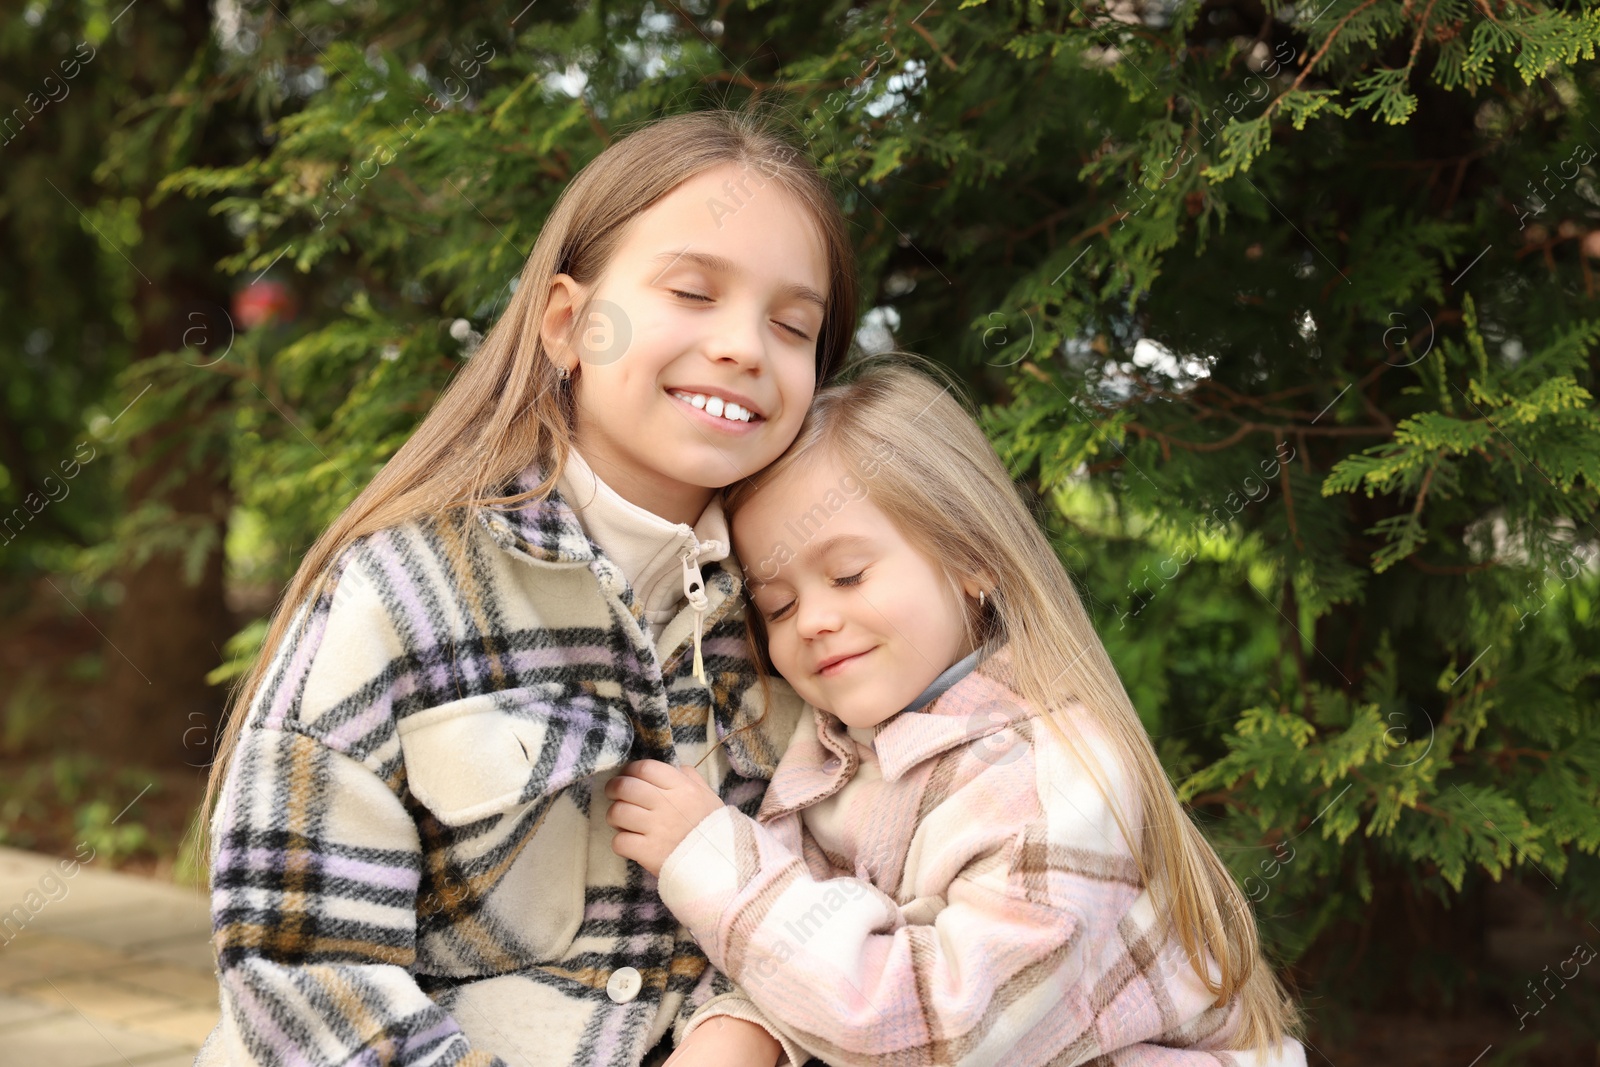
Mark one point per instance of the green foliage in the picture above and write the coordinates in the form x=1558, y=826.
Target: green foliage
x=28, y=712
x=241, y=652
x=79, y=789
x=96, y=828
x=1286, y=314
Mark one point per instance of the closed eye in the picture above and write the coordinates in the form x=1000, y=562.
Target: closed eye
x=801, y=334
x=854, y=579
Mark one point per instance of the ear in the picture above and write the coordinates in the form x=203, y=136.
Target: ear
x=972, y=584
x=560, y=317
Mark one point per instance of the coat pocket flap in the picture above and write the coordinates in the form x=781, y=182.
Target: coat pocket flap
x=483, y=755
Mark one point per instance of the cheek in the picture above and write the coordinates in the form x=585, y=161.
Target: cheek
x=783, y=431
x=655, y=336
x=783, y=661
x=799, y=378
x=664, y=331
x=619, y=392
x=921, y=604
x=781, y=648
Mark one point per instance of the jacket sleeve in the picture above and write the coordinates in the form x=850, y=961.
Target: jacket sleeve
x=837, y=964
x=1043, y=944
x=316, y=862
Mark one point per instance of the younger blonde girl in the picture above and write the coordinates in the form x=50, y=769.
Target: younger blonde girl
x=970, y=853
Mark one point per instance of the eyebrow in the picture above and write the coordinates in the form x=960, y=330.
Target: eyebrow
x=722, y=265
x=818, y=549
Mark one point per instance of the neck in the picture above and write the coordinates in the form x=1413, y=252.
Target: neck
x=677, y=502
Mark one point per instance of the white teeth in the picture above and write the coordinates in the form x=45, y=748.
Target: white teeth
x=715, y=405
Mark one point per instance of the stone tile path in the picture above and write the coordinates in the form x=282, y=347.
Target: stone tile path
x=99, y=969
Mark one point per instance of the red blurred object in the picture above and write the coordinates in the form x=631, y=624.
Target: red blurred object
x=262, y=302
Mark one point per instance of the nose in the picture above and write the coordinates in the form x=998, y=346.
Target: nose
x=815, y=615
x=736, y=337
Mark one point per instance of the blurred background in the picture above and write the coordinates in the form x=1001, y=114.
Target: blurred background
x=1287, y=313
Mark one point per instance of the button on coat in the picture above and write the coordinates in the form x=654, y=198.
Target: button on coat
x=411, y=863
x=623, y=985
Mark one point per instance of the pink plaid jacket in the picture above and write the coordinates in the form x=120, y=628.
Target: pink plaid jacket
x=988, y=911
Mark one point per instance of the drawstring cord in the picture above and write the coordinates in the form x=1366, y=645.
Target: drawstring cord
x=694, y=587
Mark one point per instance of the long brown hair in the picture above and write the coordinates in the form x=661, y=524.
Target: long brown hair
x=948, y=492
x=506, y=407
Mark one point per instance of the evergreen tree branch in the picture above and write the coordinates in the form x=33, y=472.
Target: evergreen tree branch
x=1311, y=63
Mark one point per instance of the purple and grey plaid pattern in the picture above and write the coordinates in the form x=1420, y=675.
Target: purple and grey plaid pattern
x=410, y=862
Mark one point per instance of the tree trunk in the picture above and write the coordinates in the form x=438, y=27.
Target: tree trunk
x=167, y=633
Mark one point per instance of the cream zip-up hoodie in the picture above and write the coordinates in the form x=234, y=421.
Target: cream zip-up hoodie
x=660, y=559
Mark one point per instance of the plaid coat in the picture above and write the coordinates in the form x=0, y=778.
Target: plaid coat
x=983, y=907
x=411, y=863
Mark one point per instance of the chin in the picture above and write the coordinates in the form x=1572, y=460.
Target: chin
x=712, y=473
x=859, y=718
x=691, y=473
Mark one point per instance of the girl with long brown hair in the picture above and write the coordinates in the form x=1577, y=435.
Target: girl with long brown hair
x=408, y=861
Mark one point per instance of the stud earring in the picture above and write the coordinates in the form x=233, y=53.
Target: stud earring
x=980, y=599
x=562, y=372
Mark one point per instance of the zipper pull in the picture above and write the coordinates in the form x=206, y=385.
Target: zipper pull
x=694, y=589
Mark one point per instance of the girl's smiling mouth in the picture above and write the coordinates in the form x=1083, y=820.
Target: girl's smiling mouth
x=835, y=666
x=714, y=411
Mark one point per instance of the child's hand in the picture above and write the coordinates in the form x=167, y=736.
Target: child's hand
x=723, y=1041
x=654, y=806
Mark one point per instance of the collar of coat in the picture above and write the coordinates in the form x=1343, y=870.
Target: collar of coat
x=984, y=702
x=547, y=531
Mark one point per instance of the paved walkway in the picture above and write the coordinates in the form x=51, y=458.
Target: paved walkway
x=100, y=969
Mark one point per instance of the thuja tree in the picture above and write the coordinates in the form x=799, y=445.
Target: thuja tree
x=1311, y=311
x=1281, y=311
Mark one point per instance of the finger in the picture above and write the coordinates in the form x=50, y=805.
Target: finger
x=692, y=777
x=676, y=821
x=629, y=767
x=635, y=847
x=634, y=791
x=625, y=816
x=653, y=771
x=626, y=845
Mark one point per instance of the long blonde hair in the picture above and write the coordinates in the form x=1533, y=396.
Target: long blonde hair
x=506, y=406
x=948, y=492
